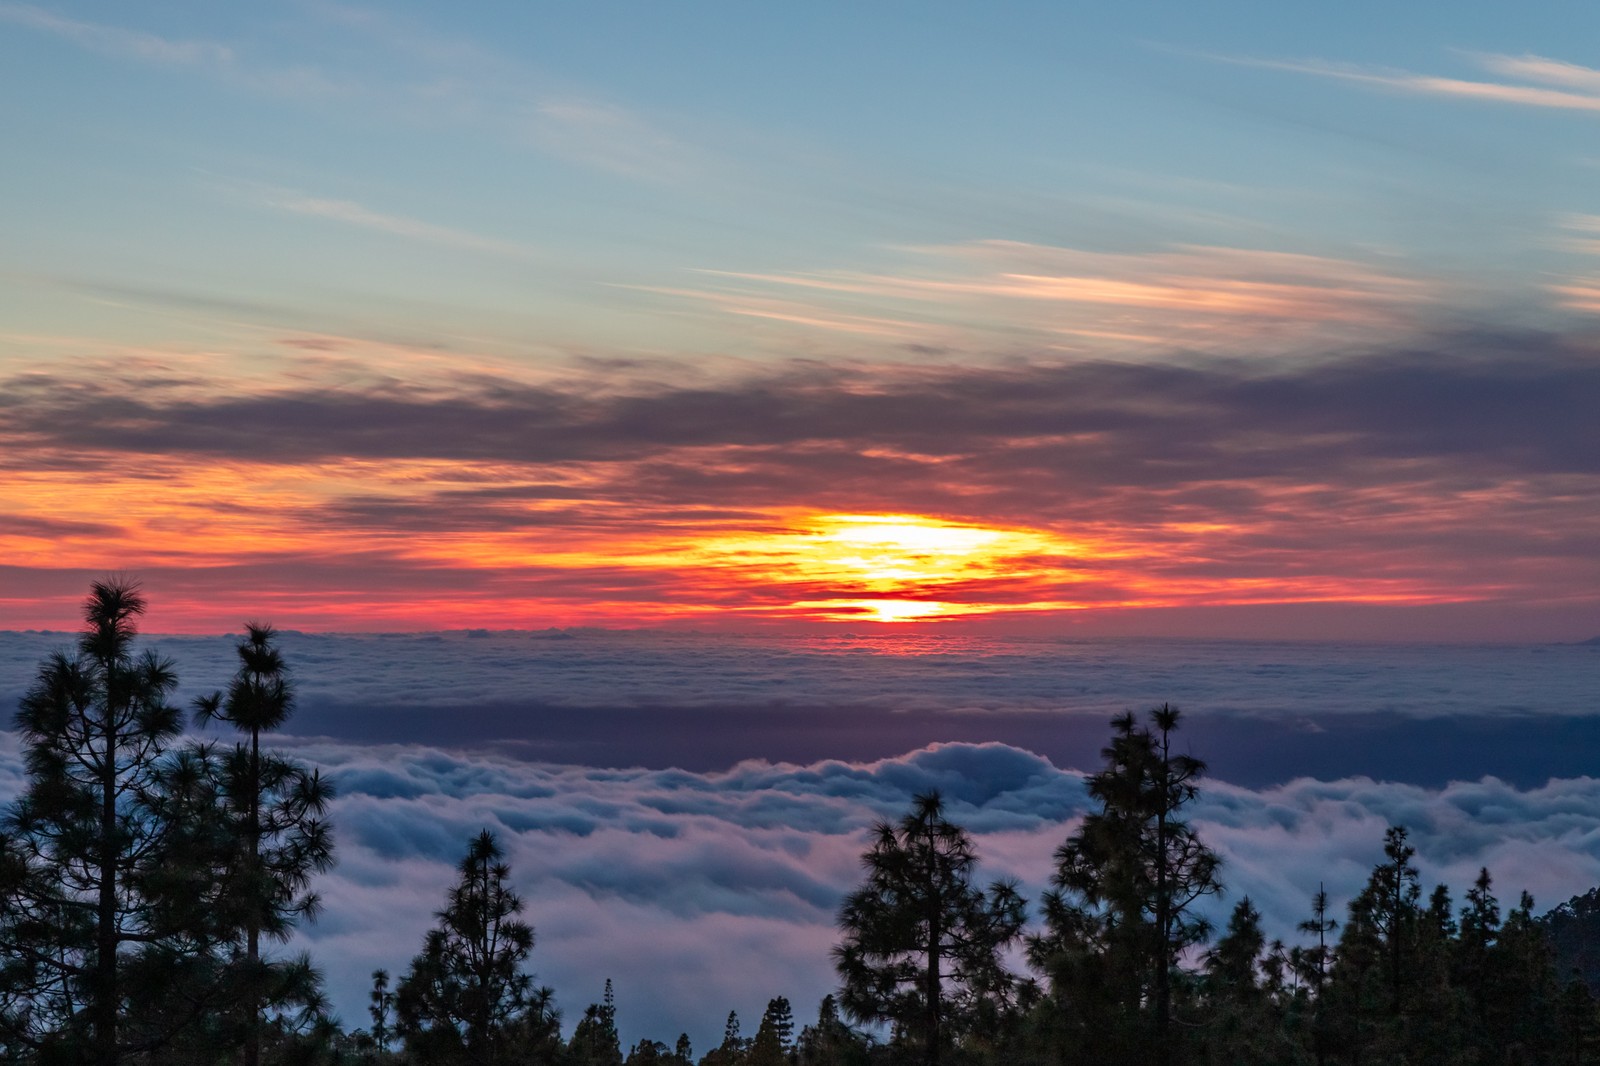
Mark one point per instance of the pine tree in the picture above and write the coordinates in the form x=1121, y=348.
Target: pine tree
x=765, y=1049
x=382, y=1005
x=1433, y=1026
x=1579, y=1024
x=1390, y=902
x=773, y=1039
x=274, y=809
x=1372, y=983
x=734, y=1047
x=594, y=1042
x=1315, y=960
x=1122, y=911
x=1313, y=969
x=921, y=948
x=829, y=1041
x=781, y=1016
x=648, y=1052
x=1524, y=1003
x=771, y=1046
x=1473, y=964
x=1240, y=1025
x=78, y=849
x=1184, y=868
x=1571, y=929
x=466, y=993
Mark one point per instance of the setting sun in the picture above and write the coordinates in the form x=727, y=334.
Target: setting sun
x=887, y=567
x=888, y=550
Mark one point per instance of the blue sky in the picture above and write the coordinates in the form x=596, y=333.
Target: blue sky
x=423, y=247
x=528, y=174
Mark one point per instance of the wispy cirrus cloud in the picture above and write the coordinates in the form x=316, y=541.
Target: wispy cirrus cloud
x=351, y=213
x=612, y=138
x=444, y=79
x=1228, y=281
x=1580, y=292
x=1581, y=233
x=218, y=59
x=120, y=41
x=1187, y=295
x=1543, y=69
x=778, y=308
x=1575, y=87
x=530, y=106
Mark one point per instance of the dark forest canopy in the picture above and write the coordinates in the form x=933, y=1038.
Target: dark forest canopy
x=148, y=881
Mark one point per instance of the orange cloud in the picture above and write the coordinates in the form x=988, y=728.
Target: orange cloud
x=806, y=494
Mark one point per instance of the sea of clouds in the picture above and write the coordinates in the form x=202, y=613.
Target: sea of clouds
x=703, y=887
x=700, y=893
x=1260, y=712
x=897, y=671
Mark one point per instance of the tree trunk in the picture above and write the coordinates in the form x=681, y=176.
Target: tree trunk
x=252, y=949
x=105, y=963
x=1318, y=1025
x=931, y=1035
x=480, y=1043
x=1163, y=916
x=1394, y=942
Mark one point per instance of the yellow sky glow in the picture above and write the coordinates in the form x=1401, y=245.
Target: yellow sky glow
x=556, y=559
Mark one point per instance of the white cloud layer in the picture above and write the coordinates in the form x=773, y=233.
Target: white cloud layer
x=704, y=892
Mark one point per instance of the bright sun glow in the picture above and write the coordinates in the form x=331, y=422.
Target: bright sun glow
x=891, y=549
x=885, y=610
x=887, y=567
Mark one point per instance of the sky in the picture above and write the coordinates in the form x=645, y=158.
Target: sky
x=710, y=424
x=1243, y=319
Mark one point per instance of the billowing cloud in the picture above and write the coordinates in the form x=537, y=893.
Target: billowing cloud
x=685, y=887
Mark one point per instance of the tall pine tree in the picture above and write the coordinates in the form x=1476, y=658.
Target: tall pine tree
x=1121, y=913
x=274, y=812
x=466, y=995
x=79, y=849
x=922, y=946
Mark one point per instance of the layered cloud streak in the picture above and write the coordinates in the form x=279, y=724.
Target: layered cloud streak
x=1462, y=470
